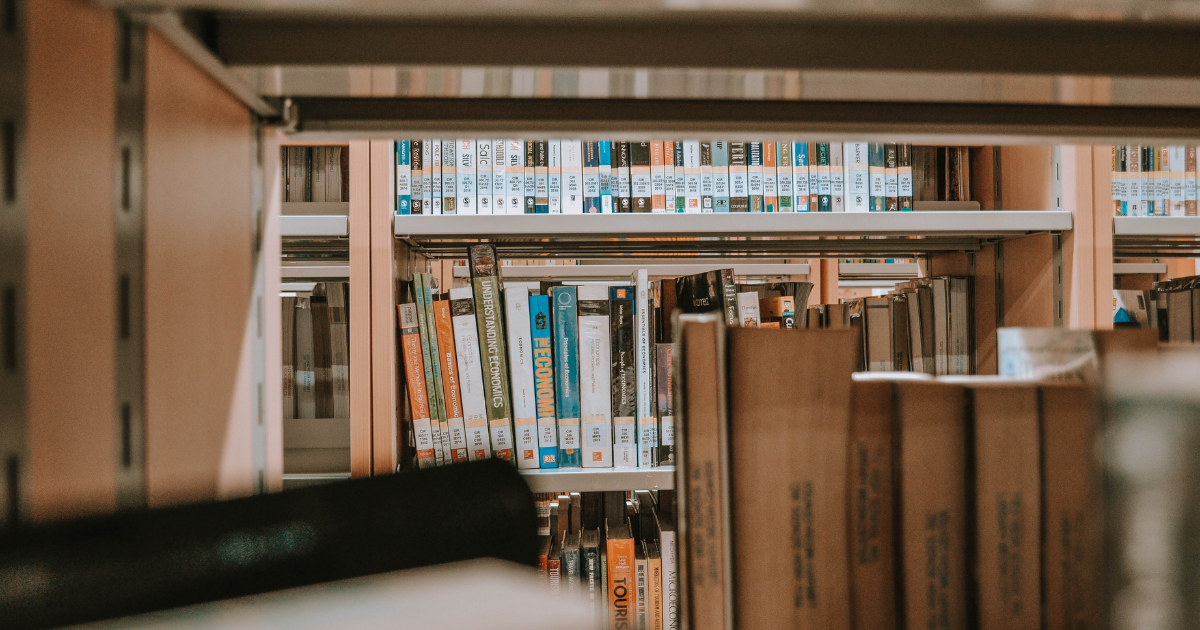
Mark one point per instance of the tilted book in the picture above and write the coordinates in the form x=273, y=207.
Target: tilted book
x=414, y=380
x=485, y=280
x=595, y=404
x=566, y=375
x=520, y=365
x=451, y=387
x=429, y=355
x=466, y=347
x=647, y=422
x=624, y=376
x=543, y=379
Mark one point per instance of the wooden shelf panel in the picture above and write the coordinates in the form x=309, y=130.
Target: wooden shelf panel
x=599, y=479
x=314, y=226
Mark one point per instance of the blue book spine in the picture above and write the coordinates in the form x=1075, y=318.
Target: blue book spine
x=591, y=177
x=542, y=336
x=403, y=178
x=800, y=182
x=606, y=176
x=566, y=373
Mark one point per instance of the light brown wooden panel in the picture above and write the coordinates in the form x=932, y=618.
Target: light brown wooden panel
x=70, y=275
x=1028, y=281
x=1025, y=178
x=199, y=320
x=360, y=308
x=272, y=308
x=1079, y=268
x=1102, y=235
x=384, y=384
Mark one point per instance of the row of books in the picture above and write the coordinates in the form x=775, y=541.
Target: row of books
x=1172, y=307
x=924, y=325
x=879, y=500
x=1152, y=181
x=615, y=550
x=316, y=351
x=316, y=174
x=485, y=176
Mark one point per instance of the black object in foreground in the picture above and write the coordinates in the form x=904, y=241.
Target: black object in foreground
x=100, y=568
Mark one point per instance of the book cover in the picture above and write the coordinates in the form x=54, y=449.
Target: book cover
x=451, y=387
x=800, y=177
x=591, y=177
x=571, y=564
x=639, y=176
x=414, y=380
x=499, y=176
x=465, y=177
x=837, y=178
x=541, y=177
x=623, y=338
x=428, y=356
x=664, y=362
x=605, y=155
x=595, y=401
x=891, y=181
x=288, y=347
x=647, y=421
x=668, y=176
x=654, y=593
x=641, y=584
x=416, y=177
x=623, y=190
x=590, y=560
x=658, y=182
x=878, y=183
x=622, y=596
x=403, y=181
x=566, y=375
x=904, y=176
x=530, y=185
x=554, y=176
x=339, y=347
x=573, y=194
x=514, y=153
x=520, y=370
x=543, y=375
x=739, y=191
x=769, y=179
x=754, y=176
x=485, y=280
x=669, y=553
x=435, y=178
x=470, y=371
x=449, y=177
x=483, y=176
x=681, y=185
x=691, y=169
x=824, y=181
x=871, y=506
x=1189, y=182
x=783, y=176
x=714, y=177
x=749, y=315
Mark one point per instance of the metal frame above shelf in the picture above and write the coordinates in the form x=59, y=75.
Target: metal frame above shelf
x=1124, y=269
x=599, y=479
x=296, y=270
x=891, y=235
x=314, y=226
x=658, y=270
x=1143, y=237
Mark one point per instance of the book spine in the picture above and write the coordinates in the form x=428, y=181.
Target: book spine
x=1189, y=182
x=857, y=177
x=1164, y=180
x=514, y=153
x=672, y=614
x=668, y=176
x=878, y=190
x=490, y=320
x=595, y=404
x=654, y=604
x=824, y=179
x=708, y=179
x=530, y=203
x=719, y=154
x=543, y=379
x=466, y=345
x=403, y=178
x=770, y=181
x=739, y=200
x=837, y=178
x=499, y=176
x=437, y=384
x=566, y=375
x=541, y=177
x=658, y=183
x=339, y=348
x=571, y=567
x=1116, y=188
x=814, y=177
x=483, y=176
x=1177, y=166
x=647, y=437
x=465, y=177
x=452, y=391
x=554, y=176
x=306, y=371
x=681, y=185
x=639, y=174
x=435, y=177
x=783, y=176
x=622, y=598
x=891, y=179
x=591, y=177
x=428, y=354
x=754, y=176
x=416, y=177
x=641, y=586
x=691, y=169
x=605, y=154
x=728, y=297
x=414, y=379
x=622, y=192
x=288, y=316
x=573, y=186
x=624, y=376
x=449, y=177
x=520, y=363
x=666, y=409
x=308, y=178
x=800, y=177
x=871, y=510
x=904, y=176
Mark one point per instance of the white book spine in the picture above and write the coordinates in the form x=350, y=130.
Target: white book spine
x=435, y=181
x=770, y=182
x=306, y=373
x=514, y=153
x=449, y=172
x=708, y=185
x=483, y=176
x=691, y=170
x=465, y=177
x=748, y=313
x=670, y=581
x=554, y=189
x=427, y=177
x=1178, y=166
x=403, y=179
x=606, y=181
x=837, y=178
x=669, y=174
x=470, y=374
x=647, y=422
x=572, y=166
x=499, y=177
x=595, y=391
x=520, y=366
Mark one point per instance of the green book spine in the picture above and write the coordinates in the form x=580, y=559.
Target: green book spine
x=428, y=357
x=824, y=179
x=439, y=392
x=489, y=317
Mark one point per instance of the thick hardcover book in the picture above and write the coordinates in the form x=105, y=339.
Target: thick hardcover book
x=800, y=177
x=837, y=178
x=770, y=180
x=647, y=421
x=485, y=280
x=607, y=182
x=1007, y=436
x=1072, y=517
x=639, y=176
x=483, y=176
x=904, y=176
x=681, y=185
x=720, y=168
x=434, y=157
x=520, y=369
x=877, y=177
x=466, y=346
x=891, y=178
x=466, y=177
x=783, y=177
x=530, y=185
x=754, y=175
x=704, y=490
x=691, y=169
x=288, y=316
x=658, y=182
x=403, y=178
x=306, y=370
x=591, y=177
x=739, y=190
x=622, y=595
x=824, y=182
x=664, y=364
x=451, y=386
x=416, y=176
x=566, y=375
x=621, y=167
x=514, y=188
x=543, y=379
x=449, y=177
x=857, y=177
x=624, y=375
x=595, y=401
x=499, y=176
x=339, y=348
x=429, y=355
x=414, y=379
x=870, y=505
x=789, y=417
x=554, y=175
x=541, y=177
x=708, y=178
x=932, y=510
x=668, y=176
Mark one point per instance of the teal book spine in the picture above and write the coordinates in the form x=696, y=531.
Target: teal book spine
x=680, y=201
x=878, y=179
x=403, y=178
x=566, y=375
x=824, y=179
x=542, y=334
x=591, y=177
x=720, y=160
x=606, y=176
x=800, y=176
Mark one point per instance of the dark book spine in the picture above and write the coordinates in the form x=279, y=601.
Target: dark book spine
x=623, y=177
x=639, y=176
x=541, y=169
x=418, y=169
x=624, y=368
x=739, y=195
x=729, y=296
x=824, y=181
x=530, y=176
x=664, y=360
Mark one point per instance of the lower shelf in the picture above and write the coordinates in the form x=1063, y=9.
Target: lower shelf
x=600, y=479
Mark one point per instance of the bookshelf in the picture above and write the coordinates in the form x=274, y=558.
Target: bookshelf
x=314, y=226
x=659, y=270
x=600, y=479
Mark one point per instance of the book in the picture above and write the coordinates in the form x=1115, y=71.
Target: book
x=435, y=178
x=572, y=561
x=403, y=181
x=878, y=177
x=691, y=168
x=837, y=178
x=857, y=177
x=483, y=176
x=316, y=173
x=541, y=177
x=437, y=405
x=669, y=553
x=1177, y=165
x=639, y=176
x=531, y=180
x=622, y=598
x=800, y=177
x=708, y=178
x=870, y=505
x=456, y=431
x=769, y=179
x=824, y=179
x=591, y=177
x=904, y=176
x=658, y=183
x=339, y=342
x=703, y=485
x=1189, y=181
x=554, y=176
x=605, y=153
x=288, y=348
x=514, y=154
x=428, y=358
x=449, y=177
x=709, y=291
x=668, y=176
x=590, y=552
x=624, y=375
x=654, y=592
x=891, y=178
x=566, y=375
x=748, y=311
x=622, y=192
x=500, y=177
x=520, y=366
x=465, y=177
x=878, y=335
x=322, y=363
x=783, y=175
x=485, y=281
x=416, y=177
x=641, y=581
x=754, y=176
x=595, y=395
x=543, y=375
x=789, y=416
x=739, y=191
x=681, y=180
x=554, y=562
x=470, y=371
x=415, y=383
x=720, y=168
x=647, y=420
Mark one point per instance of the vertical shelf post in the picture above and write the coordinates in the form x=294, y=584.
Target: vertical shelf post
x=384, y=432
x=360, y=308
x=12, y=263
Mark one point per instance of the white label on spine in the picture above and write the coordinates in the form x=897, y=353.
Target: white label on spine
x=501, y=434
x=568, y=433
x=667, y=430
x=906, y=183
x=647, y=441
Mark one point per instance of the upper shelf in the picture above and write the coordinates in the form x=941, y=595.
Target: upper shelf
x=1156, y=236
x=599, y=479
x=314, y=226
x=751, y=235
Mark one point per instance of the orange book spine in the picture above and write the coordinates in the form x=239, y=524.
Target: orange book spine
x=621, y=594
x=770, y=172
x=658, y=190
x=450, y=386
x=414, y=377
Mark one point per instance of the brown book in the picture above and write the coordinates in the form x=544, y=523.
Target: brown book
x=622, y=596
x=704, y=460
x=869, y=503
x=900, y=331
x=1007, y=505
x=877, y=330
x=1179, y=316
x=789, y=401
x=837, y=316
x=667, y=295
x=1073, y=557
x=932, y=511
x=813, y=318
